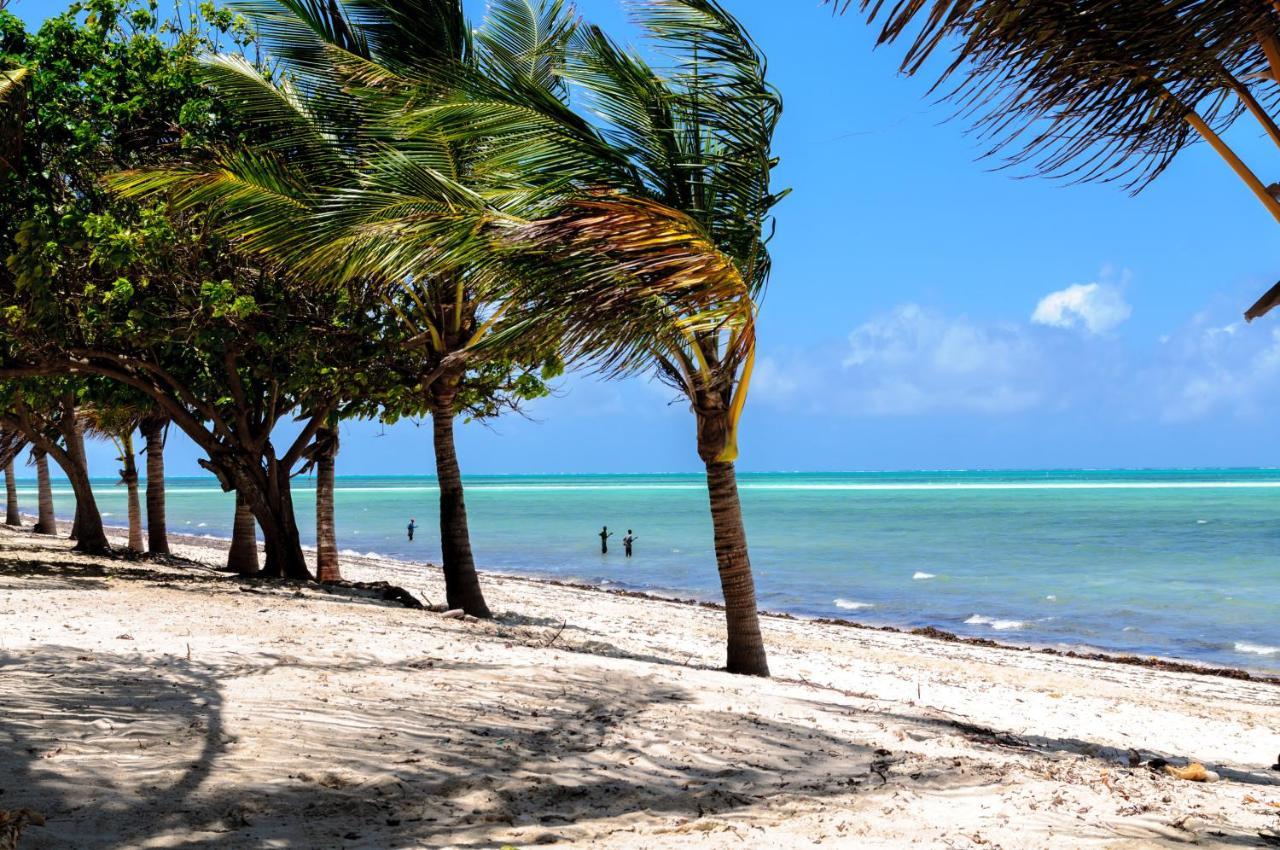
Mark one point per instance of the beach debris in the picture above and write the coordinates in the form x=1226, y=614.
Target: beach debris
x=1194, y=772
x=13, y=822
x=454, y=614
x=557, y=634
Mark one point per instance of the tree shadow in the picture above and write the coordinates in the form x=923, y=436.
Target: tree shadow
x=68, y=721
x=117, y=752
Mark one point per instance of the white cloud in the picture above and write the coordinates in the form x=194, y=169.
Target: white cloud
x=1097, y=307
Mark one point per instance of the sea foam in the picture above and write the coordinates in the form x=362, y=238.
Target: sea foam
x=1256, y=648
x=998, y=625
x=921, y=576
x=849, y=605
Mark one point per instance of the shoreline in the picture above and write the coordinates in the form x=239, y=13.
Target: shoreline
x=1077, y=651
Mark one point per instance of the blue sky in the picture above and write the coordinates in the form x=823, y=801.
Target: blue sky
x=928, y=313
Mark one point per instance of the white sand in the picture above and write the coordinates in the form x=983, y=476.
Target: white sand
x=143, y=706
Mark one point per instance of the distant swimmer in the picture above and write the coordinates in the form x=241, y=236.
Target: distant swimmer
x=605, y=534
x=627, y=541
x=413, y=523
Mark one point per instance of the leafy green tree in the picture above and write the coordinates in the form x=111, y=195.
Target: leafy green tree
x=95, y=285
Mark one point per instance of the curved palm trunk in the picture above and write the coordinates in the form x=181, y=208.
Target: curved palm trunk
x=11, y=514
x=462, y=585
x=243, y=555
x=746, y=645
x=45, y=522
x=157, y=530
x=326, y=532
x=129, y=475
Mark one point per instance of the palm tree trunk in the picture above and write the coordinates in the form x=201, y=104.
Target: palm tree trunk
x=45, y=522
x=243, y=555
x=462, y=585
x=157, y=530
x=129, y=475
x=326, y=532
x=11, y=514
x=746, y=645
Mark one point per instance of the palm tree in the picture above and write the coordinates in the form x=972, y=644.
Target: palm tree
x=154, y=429
x=11, y=514
x=242, y=557
x=1102, y=91
x=682, y=199
x=117, y=422
x=11, y=445
x=45, y=521
x=324, y=452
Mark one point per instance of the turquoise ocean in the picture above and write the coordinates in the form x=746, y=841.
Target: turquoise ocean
x=1176, y=563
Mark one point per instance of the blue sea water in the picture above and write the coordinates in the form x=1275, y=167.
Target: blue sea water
x=1177, y=563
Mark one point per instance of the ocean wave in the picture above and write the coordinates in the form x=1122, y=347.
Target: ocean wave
x=1256, y=648
x=356, y=553
x=921, y=576
x=998, y=625
x=852, y=606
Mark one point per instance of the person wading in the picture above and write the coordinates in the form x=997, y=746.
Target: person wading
x=413, y=524
x=627, y=542
x=605, y=534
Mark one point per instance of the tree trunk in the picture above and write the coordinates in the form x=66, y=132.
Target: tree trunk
x=129, y=475
x=11, y=514
x=746, y=646
x=45, y=522
x=326, y=533
x=746, y=653
x=243, y=556
x=90, y=535
x=272, y=507
x=462, y=585
x=157, y=530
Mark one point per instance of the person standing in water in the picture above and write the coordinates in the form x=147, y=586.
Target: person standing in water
x=413, y=523
x=627, y=541
x=605, y=534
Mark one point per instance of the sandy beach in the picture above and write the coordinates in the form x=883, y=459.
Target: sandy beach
x=145, y=705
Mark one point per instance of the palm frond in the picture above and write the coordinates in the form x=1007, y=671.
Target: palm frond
x=1086, y=89
x=524, y=43
x=627, y=279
